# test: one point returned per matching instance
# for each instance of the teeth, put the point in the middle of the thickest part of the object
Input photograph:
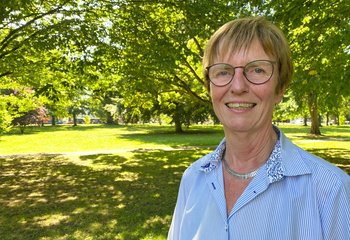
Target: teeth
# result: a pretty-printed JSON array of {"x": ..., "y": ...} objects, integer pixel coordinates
[{"x": 240, "y": 105}]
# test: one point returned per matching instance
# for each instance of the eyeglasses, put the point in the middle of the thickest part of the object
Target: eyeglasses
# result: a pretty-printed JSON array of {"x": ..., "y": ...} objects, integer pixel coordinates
[{"x": 256, "y": 72}]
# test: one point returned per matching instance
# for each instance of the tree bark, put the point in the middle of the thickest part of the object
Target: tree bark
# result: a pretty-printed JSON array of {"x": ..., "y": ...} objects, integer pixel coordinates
[
  {"x": 178, "y": 126},
  {"x": 313, "y": 108},
  {"x": 177, "y": 120}
]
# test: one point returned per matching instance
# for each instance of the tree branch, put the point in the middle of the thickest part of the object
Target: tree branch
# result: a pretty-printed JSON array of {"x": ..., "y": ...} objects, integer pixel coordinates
[
  {"x": 5, "y": 74},
  {"x": 189, "y": 90},
  {"x": 15, "y": 33}
]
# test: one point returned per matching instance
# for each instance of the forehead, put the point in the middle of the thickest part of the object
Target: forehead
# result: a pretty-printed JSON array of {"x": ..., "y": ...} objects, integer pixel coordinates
[{"x": 240, "y": 54}]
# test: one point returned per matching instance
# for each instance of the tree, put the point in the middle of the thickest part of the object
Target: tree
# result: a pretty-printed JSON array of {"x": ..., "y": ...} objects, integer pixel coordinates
[
  {"x": 31, "y": 117},
  {"x": 144, "y": 57},
  {"x": 162, "y": 44},
  {"x": 319, "y": 36},
  {"x": 43, "y": 43},
  {"x": 19, "y": 106}
]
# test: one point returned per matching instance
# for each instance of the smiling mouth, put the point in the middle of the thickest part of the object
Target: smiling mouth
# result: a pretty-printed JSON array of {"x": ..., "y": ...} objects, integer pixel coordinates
[{"x": 241, "y": 105}]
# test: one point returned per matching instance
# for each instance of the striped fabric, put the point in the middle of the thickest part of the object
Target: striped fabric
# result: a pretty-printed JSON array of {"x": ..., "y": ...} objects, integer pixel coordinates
[{"x": 296, "y": 195}]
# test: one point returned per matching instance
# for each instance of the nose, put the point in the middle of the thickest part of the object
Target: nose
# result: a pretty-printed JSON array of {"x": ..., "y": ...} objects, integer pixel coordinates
[{"x": 239, "y": 83}]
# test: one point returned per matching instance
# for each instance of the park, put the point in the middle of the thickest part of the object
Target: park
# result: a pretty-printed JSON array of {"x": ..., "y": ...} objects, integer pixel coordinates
[
  {"x": 113, "y": 182},
  {"x": 104, "y": 104}
]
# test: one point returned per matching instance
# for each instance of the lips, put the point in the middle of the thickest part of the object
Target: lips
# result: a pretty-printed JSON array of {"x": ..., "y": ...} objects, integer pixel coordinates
[{"x": 241, "y": 106}]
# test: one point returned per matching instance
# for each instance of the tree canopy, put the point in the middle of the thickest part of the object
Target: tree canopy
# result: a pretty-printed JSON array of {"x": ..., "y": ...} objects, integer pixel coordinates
[{"x": 138, "y": 61}]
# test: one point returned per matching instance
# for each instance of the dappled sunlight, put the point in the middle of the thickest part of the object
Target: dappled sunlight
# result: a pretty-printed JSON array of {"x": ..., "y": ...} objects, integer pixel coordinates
[
  {"x": 156, "y": 221},
  {"x": 50, "y": 219},
  {"x": 79, "y": 210},
  {"x": 37, "y": 197},
  {"x": 120, "y": 206},
  {"x": 66, "y": 197},
  {"x": 95, "y": 226},
  {"x": 100, "y": 196},
  {"x": 127, "y": 176},
  {"x": 13, "y": 202},
  {"x": 56, "y": 196}
]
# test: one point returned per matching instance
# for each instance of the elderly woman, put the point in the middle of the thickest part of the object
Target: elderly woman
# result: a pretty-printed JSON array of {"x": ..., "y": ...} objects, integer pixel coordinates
[{"x": 257, "y": 184}]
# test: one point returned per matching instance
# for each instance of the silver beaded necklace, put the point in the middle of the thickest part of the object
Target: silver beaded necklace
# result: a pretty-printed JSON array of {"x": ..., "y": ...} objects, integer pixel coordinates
[{"x": 242, "y": 176}]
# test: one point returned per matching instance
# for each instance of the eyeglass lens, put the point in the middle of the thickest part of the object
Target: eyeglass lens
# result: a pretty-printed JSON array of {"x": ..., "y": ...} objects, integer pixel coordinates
[{"x": 256, "y": 72}]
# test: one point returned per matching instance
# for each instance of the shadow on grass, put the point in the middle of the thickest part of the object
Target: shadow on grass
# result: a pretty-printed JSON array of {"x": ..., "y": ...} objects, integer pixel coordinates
[
  {"x": 90, "y": 197},
  {"x": 99, "y": 196},
  {"x": 188, "y": 138}
]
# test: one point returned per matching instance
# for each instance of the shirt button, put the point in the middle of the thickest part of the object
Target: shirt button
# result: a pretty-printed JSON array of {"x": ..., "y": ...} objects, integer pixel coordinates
[{"x": 226, "y": 227}]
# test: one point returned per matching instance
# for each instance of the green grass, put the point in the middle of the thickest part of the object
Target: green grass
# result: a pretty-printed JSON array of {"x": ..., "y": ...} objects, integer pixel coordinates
[
  {"x": 103, "y": 138},
  {"x": 112, "y": 195},
  {"x": 102, "y": 196}
]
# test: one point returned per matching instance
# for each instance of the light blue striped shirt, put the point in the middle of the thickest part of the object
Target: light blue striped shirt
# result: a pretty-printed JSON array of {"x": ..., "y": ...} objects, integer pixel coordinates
[{"x": 295, "y": 195}]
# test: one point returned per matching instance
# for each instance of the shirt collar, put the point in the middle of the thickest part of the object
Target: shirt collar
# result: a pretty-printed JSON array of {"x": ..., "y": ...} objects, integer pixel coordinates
[
  {"x": 274, "y": 166},
  {"x": 277, "y": 166},
  {"x": 211, "y": 162}
]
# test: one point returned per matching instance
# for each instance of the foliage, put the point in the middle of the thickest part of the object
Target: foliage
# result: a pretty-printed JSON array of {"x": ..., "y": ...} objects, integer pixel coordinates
[
  {"x": 81, "y": 56},
  {"x": 87, "y": 119},
  {"x": 36, "y": 117},
  {"x": 319, "y": 36},
  {"x": 18, "y": 105},
  {"x": 5, "y": 117}
]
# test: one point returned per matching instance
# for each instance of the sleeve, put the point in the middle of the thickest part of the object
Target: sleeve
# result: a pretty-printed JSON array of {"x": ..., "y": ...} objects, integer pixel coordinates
[
  {"x": 335, "y": 214},
  {"x": 174, "y": 231}
]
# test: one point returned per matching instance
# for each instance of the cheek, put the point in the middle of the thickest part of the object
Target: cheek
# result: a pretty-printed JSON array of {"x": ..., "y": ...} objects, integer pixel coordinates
[
  {"x": 216, "y": 93},
  {"x": 266, "y": 96}
]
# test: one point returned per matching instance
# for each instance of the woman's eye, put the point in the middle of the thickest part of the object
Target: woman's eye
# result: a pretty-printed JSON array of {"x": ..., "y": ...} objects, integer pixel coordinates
[
  {"x": 259, "y": 70},
  {"x": 221, "y": 73}
]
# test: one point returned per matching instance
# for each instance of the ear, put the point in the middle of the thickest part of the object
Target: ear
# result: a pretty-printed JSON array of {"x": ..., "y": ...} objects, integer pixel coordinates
[{"x": 279, "y": 97}]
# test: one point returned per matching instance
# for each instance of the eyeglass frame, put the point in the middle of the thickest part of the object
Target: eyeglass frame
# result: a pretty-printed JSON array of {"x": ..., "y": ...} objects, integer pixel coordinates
[{"x": 234, "y": 72}]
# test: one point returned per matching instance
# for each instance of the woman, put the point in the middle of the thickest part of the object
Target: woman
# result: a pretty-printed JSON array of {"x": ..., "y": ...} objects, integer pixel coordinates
[{"x": 257, "y": 184}]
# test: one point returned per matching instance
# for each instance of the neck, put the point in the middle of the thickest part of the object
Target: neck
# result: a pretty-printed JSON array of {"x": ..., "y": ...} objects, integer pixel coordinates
[{"x": 247, "y": 151}]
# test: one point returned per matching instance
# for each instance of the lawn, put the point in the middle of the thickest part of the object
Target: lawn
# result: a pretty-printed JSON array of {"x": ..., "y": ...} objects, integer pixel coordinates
[
  {"x": 111, "y": 182},
  {"x": 101, "y": 138}
]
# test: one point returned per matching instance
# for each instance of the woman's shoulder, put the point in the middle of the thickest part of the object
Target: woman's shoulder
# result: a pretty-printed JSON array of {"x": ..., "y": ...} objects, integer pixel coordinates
[
  {"x": 323, "y": 170},
  {"x": 320, "y": 169}
]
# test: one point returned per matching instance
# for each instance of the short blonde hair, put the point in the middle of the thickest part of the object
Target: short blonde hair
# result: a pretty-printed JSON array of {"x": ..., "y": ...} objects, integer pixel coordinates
[{"x": 239, "y": 34}]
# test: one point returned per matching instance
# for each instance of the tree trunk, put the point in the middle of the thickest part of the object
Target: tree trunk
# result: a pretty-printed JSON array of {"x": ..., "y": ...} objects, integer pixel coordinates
[
  {"x": 110, "y": 119},
  {"x": 305, "y": 120},
  {"x": 313, "y": 108},
  {"x": 338, "y": 118},
  {"x": 177, "y": 121},
  {"x": 178, "y": 126},
  {"x": 53, "y": 120},
  {"x": 75, "y": 119}
]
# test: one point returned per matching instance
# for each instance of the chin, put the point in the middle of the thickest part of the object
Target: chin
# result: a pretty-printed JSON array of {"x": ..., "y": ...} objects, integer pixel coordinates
[{"x": 238, "y": 126}]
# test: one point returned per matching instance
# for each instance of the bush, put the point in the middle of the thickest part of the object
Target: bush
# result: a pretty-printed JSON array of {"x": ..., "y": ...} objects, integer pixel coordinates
[
  {"x": 31, "y": 117},
  {"x": 87, "y": 119},
  {"x": 5, "y": 121}
]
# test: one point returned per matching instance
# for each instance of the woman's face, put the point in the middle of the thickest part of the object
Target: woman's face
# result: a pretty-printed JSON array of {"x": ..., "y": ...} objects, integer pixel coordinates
[{"x": 242, "y": 106}]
